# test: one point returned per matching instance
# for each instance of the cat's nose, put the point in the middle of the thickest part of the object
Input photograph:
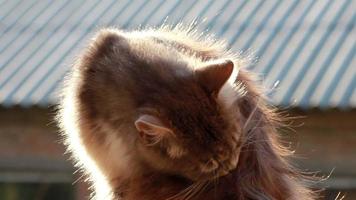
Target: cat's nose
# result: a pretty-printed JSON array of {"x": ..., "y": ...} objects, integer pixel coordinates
[
  {"x": 222, "y": 153},
  {"x": 210, "y": 166}
]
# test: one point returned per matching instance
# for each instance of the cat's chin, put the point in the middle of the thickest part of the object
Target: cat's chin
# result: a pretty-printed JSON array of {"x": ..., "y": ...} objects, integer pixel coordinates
[{"x": 209, "y": 176}]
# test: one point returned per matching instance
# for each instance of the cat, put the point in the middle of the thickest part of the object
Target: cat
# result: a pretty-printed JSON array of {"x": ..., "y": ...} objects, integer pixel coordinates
[{"x": 168, "y": 113}]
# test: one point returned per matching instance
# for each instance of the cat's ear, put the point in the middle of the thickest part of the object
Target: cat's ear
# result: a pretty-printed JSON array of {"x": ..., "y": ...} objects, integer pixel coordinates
[
  {"x": 151, "y": 128},
  {"x": 214, "y": 75}
]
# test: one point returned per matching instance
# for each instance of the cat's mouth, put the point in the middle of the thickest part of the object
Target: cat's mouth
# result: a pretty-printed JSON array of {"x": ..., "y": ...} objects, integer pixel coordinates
[
  {"x": 223, "y": 170},
  {"x": 218, "y": 172}
]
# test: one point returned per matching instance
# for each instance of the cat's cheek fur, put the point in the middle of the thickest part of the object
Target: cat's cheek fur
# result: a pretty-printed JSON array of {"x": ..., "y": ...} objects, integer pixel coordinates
[
  {"x": 111, "y": 154},
  {"x": 175, "y": 151}
]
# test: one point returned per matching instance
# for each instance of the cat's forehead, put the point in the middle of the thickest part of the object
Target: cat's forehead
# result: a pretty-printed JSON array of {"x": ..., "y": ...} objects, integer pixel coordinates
[{"x": 155, "y": 48}]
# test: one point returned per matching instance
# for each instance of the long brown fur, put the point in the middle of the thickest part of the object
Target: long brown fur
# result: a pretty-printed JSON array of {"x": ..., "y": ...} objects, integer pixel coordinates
[{"x": 91, "y": 127}]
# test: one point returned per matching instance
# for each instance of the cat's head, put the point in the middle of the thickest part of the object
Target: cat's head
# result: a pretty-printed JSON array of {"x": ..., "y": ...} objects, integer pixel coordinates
[
  {"x": 186, "y": 129},
  {"x": 175, "y": 101}
]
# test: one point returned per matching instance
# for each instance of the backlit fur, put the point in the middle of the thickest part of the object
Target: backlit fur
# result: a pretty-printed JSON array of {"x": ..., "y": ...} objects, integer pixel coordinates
[{"x": 124, "y": 74}]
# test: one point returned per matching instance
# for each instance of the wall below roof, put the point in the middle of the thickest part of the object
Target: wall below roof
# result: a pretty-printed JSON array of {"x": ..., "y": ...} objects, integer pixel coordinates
[
  {"x": 325, "y": 142},
  {"x": 28, "y": 140},
  {"x": 31, "y": 152}
]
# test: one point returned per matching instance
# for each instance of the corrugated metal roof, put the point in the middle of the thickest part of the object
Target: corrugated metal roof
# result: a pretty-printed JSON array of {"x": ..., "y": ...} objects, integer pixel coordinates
[{"x": 308, "y": 46}]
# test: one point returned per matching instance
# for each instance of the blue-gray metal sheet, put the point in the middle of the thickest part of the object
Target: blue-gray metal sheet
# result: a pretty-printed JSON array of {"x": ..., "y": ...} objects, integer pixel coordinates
[{"x": 307, "y": 46}]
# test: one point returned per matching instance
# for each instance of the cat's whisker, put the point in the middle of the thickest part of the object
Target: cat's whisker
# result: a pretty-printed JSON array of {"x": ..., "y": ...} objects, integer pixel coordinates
[
  {"x": 195, "y": 190},
  {"x": 189, "y": 194},
  {"x": 183, "y": 192},
  {"x": 200, "y": 187},
  {"x": 207, "y": 183}
]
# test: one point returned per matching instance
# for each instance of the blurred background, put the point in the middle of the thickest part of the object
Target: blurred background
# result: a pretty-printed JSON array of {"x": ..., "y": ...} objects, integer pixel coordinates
[{"x": 307, "y": 47}]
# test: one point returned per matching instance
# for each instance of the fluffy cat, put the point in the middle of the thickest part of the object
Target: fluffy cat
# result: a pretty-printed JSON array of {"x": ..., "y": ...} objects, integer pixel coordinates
[{"x": 167, "y": 113}]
